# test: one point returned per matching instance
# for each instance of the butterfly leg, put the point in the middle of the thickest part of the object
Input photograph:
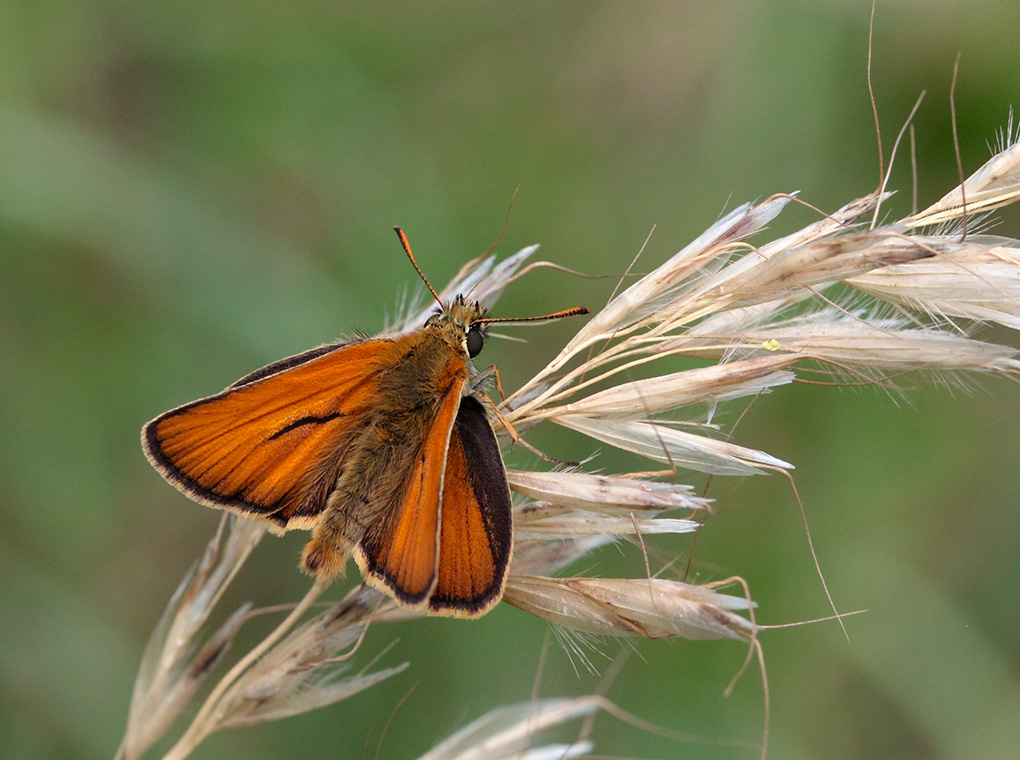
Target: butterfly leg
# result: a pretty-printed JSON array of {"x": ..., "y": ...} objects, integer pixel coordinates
[
  {"x": 483, "y": 376},
  {"x": 516, "y": 437}
]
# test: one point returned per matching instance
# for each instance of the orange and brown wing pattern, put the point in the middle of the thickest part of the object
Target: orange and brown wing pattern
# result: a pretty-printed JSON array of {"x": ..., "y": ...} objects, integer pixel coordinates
[
  {"x": 400, "y": 553},
  {"x": 269, "y": 444},
  {"x": 476, "y": 538}
]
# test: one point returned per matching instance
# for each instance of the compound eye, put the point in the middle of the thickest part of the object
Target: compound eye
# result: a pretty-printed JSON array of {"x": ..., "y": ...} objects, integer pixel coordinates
[{"x": 474, "y": 342}]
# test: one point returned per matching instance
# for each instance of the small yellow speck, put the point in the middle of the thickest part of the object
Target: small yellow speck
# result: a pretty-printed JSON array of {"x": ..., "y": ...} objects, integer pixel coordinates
[{"x": 771, "y": 345}]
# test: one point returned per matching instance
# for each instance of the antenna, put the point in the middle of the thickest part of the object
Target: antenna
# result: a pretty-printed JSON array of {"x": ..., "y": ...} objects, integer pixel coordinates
[
  {"x": 575, "y": 312},
  {"x": 407, "y": 249}
]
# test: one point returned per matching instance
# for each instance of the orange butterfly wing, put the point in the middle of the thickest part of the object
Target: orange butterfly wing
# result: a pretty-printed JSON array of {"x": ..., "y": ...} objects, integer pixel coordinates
[
  {"x": 269, "y": 445},
  {"x": 447, "y": 546},
  {"x": 476, "y": 537}
]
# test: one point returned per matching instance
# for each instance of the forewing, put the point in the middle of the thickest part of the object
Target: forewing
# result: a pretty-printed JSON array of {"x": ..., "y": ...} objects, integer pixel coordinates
[
  {"x": 269, "y": 445},
  {"x": 476, "y": 537}
]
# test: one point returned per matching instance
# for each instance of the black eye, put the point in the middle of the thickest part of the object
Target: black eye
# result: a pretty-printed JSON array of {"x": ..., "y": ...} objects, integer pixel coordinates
[{"x": 474, "y": 342}]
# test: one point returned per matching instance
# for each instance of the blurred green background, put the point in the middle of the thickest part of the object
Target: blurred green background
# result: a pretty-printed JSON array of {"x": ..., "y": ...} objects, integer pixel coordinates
[{"x": 190, "y": 190}]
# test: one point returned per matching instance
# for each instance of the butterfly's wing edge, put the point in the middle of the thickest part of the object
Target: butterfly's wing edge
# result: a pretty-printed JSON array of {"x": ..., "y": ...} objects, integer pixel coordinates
[{"x": 153, "y": 447}]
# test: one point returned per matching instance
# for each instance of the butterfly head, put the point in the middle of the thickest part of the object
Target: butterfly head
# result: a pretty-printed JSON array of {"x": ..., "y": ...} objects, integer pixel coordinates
[{"x": 464, "y": 321}]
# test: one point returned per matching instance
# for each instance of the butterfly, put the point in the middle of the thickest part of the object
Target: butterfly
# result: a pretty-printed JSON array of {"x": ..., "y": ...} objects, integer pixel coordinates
[{"x": 382, "y": 447}]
